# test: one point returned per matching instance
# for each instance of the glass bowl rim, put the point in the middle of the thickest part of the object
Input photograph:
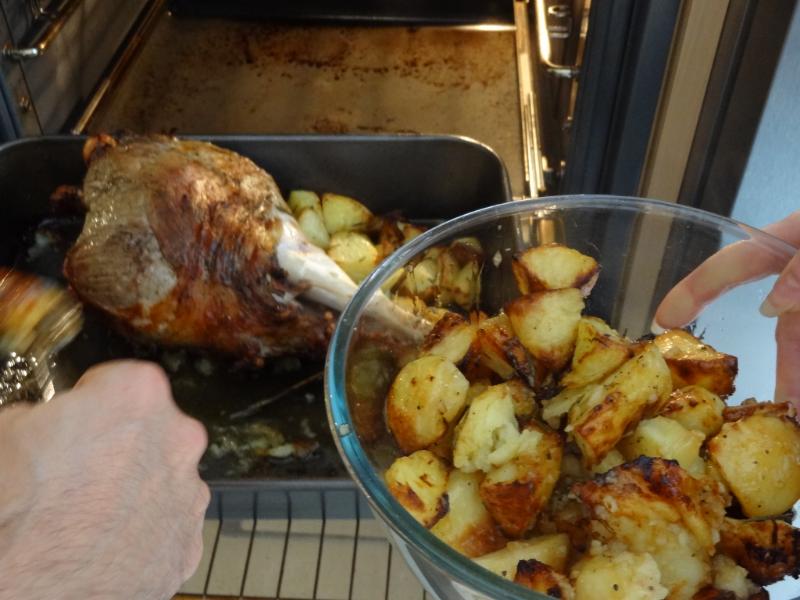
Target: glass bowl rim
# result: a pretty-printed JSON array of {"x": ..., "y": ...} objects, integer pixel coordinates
[{"x": 436, "y": 552}]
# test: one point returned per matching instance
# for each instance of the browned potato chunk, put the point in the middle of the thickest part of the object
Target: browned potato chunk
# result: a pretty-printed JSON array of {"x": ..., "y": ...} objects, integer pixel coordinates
[
  {"x": 551, "y": 550},
  {"x": 599, "y": 420},
  {"x": 342, "y": 213},
  {"x": 516, "y": 492},
  {"x": 488, "y": 436},
  {"x": 410, "y": 231},
  {"x": 427, "y": 395},
  {"x": 693, "y": 362},
  {"x": 547, "y": 324},
  {"x": 417, "y": 306},
  {"x": 450, "y": 338},
  {"x": 652, "y": 505},
  {"x": 633, "y": 576},
  {"x": 419, "y": 482},
  {"x": 695, "y": 408},
  {"x": 730, "y": 577},
  {"x": 310, "y": 223},
  {"x": 541, "y": 578},
  {"x": 566, "y": 514},
  {"x": 611, "y": 460},
  {"x": 354, "y": 253},
  {"x": 459, "y": 283},
  {"x": 467, "y": 527},
  {"x": 751, "y": 407},
  {"x": 390, "y": 238},
  {"x": 554, "y": 267},
  {"x": 501, "y": 351},
  {"x": 599, "y": 351},
  {"x": 422, "y": 279},
  {"x": 712, "y": 593},
  {"x": 768, "y": 550},
  {"x": 522, "y": 397},
  {"x": 555, "y": 408},
  {"x": 665, "y": 438},
  {"x": 759, "y": 458},
  {"x": 299, "y": 200}
]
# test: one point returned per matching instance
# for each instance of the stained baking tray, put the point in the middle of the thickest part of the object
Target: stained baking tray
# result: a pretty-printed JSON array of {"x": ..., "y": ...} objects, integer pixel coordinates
[{"x": 427, "y": 178}]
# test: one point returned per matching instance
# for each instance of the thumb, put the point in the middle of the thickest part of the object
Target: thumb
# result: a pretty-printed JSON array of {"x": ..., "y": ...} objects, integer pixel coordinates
[
  {"x": 785, "y": 294},
  {"x": 787, "y": 335}
]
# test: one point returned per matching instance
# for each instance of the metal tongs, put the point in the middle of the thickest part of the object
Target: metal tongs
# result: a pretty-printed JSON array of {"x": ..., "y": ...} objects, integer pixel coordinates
[{"x": 37, "y": 319}]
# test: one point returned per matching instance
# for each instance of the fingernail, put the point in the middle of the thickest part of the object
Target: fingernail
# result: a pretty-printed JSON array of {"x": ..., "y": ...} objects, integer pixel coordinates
[
  {"x": 768, "y": 309},
  {"x": 655, "y": 328}
]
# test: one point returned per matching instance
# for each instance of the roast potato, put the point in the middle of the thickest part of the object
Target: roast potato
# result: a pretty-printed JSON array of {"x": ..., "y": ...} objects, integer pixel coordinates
[
  {"x": 488, "y": 436},
  {"x": 652, "y": 505},
  {"x": 459, "y": 283},
  {"x": 523, "y": 398},
  {"x": 354, "y": 253},
  {"x": 599, "y": 420},
  {"x": 751, "y": 407},
  {"x": 451, "y": 337},
  {"x": 730, "y": 577},
  {"x": 422, "y": 279},
  {"x": 628, "y": 575},
  {"x": 515, "y": 492},
  {"x": 767, "y": 549},
  {"x": 390, "y": 238},
  {"x": 554, "y": 409},
  {"x": 299, "y": 200},
  {"x": 665, "y": 438},
  {"x": 693, "y": 362},
  {"x": 342, "y": 213},
  {"x": 419, "y": 482},
  {"x": 695, "y": 408},
  {"x": 310, "y": 222},
  {"x": 410, "y": 231},
  {"x": 547, "y": 325},
  {"x": 599, "y": 350},
  {"x": 551, "y": 550},
  {"x": 611, "y": 460},
  {"x": 759, "y": 458},
  {"x": 427, "y": 395},
  {"x": 467, "y": 526},
  {"x": 499, "y": 350},
  {"x": 541, "y": 578},
  {"x": 554, "y": 267}
]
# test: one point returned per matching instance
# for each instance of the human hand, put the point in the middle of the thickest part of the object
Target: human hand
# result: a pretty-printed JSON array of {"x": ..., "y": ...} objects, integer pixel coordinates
[
  {"x": 100, "y": 494},
  {"x": 740, "y": 263}
]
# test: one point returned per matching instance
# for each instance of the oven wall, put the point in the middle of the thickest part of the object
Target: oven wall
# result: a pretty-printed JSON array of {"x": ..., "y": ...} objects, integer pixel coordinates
[{"x": 46, "y": 90}]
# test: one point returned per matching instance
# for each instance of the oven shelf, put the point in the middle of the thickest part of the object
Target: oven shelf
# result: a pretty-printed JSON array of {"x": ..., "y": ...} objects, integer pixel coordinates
[{"x": 298, "y": 540}]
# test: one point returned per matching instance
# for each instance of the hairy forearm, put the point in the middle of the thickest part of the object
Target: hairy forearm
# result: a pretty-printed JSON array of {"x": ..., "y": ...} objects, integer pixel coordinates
[{"x": 17, "y": 474}]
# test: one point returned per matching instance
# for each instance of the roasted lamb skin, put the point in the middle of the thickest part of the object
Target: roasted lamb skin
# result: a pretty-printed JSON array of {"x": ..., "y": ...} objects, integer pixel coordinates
[{"x": 180, "y": 245}]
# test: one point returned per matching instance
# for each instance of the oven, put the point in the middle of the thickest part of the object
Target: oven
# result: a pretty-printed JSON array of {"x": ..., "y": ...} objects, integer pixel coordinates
[{"x": 660, "y": 98}]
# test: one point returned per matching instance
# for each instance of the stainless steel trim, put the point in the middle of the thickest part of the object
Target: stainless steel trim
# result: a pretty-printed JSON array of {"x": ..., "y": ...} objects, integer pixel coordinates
[
  {"x": 533, "y": 159},
  {"x": 140, "y": 31},
  {"x": 43, "y": 41},
  {"x": 543, "y": 35}
]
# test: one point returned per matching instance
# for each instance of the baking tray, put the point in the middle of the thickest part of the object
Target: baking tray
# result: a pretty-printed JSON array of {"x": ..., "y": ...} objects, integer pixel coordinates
[{"x": 427, "y": 178}]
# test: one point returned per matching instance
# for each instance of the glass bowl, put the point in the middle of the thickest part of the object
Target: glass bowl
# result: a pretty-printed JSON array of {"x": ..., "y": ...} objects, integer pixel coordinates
[{"x": 644, "y": 248}]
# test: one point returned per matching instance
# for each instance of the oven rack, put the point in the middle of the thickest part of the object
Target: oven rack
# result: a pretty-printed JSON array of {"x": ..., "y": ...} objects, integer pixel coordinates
[{"x": 298, "y": 540}]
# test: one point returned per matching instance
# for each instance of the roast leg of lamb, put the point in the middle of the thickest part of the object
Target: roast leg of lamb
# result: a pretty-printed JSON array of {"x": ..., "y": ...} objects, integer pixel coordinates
[{"x": 186, "y": 243}]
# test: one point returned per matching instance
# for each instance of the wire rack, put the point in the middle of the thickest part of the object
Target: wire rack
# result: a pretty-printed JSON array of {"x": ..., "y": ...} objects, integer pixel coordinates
[{"x": 298, "y": 541}]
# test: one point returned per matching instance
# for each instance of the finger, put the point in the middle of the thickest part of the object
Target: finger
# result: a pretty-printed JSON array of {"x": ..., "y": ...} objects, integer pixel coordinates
[
  {"x": 734, "y": 265},
  {"x": 787, "y": 334},
  {"x": 787, "y": 229},
  {"x": 785, "y": 294}
]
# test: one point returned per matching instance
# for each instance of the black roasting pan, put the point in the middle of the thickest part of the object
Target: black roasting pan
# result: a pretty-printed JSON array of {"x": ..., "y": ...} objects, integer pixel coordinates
[{"x": 427, "y": 178}]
